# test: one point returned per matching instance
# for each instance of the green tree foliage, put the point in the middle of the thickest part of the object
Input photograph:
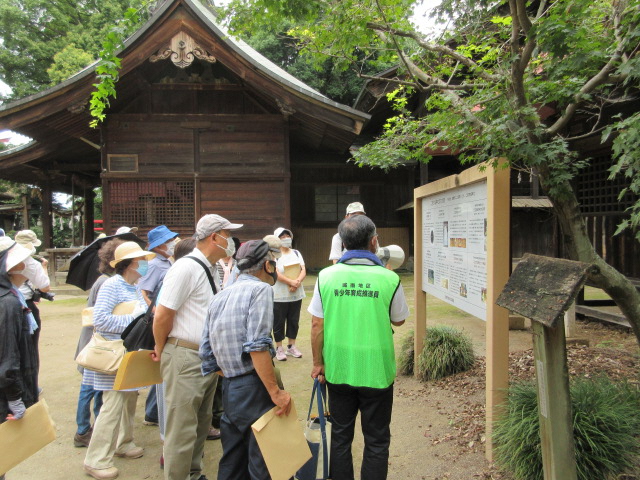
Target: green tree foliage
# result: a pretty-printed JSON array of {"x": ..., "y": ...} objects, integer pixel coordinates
[
  {"x": 32, "y": 32},
  {"x": 506, "y": 81}
]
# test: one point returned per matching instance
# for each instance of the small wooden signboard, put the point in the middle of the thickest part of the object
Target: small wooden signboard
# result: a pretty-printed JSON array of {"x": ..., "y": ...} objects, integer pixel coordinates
[{"x": 542, "y": 289}]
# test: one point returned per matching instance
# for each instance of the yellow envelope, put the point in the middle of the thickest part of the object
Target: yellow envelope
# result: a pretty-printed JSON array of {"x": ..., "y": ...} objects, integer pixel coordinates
[
  {"x": 22, "y": 438},
  {"x": 137, "y": 370},
  {"x": 276, "y": 435},
  {"x": 87, "y": 317},
  {"x": 292, "y": 271},
  {"x": 125, "y": 308}
]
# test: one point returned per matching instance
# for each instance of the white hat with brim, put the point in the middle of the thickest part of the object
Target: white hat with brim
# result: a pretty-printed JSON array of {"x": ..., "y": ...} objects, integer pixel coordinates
[
  {"x": 16, "y": 254},
  {"x": 281, "y": 231},
  {"x": 28, "y": 239},
  {"x": 130, "y": 250},
  {"x": 125, "y": 229}
]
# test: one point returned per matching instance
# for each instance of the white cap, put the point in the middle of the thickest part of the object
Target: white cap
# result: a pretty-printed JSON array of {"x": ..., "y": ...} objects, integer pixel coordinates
[
  {"x": 124, "y": 229},
  {"x": 17, "y": 253},
  {"x": 355, "y": 207},
  {"x": 280, "y": 230},
  {"x": 212, "y": 223},
  {"x": 28, "y": 239}
]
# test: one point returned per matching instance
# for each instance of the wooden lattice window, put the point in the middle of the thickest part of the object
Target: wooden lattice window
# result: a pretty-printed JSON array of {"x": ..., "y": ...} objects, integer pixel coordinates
[
  {"x": 597, "y": 194},
  {"x": 147, "y": 204}
]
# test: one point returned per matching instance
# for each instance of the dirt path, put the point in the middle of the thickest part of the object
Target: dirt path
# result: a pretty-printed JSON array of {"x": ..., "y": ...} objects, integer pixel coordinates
[{"x": 428, "y": 441}]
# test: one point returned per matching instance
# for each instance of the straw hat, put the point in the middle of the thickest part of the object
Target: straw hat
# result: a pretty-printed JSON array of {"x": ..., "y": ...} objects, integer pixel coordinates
[
  {"x": 28, "y": 239},
  {"x": 16, "y": 254},
  {"x": 130, "y": 250}
]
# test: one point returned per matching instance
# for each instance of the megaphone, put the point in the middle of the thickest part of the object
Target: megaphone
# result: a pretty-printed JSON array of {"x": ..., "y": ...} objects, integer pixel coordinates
[{"x": 391, "y": 256}]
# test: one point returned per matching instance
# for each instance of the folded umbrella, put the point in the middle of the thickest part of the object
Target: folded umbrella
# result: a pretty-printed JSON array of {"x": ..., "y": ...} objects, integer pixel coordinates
[{"x": 83, "y": 267}]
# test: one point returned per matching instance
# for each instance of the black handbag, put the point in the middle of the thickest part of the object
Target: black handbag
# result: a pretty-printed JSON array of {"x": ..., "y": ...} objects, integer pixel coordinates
[{"x": 139, "y": 333}]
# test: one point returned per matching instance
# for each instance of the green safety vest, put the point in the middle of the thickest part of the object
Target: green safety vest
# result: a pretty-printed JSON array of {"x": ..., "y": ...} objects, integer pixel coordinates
[{"x": 358, "y": 340}]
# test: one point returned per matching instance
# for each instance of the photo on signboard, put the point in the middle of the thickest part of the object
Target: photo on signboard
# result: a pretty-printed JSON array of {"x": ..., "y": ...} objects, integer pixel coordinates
[{"x": 445, "y": 234}]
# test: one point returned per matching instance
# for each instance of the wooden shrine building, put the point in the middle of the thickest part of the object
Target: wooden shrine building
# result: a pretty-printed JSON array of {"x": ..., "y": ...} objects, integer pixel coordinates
[{"x": 202, "y": 123}]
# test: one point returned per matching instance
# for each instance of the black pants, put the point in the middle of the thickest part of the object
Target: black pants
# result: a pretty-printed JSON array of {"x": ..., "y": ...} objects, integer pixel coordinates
[
  {"x": 289, "y": 313},
  {"x": 375, "y": 407},
  {"x": 36, "y": 335}
]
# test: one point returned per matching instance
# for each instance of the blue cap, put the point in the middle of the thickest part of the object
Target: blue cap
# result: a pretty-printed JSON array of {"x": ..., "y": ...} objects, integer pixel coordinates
[{"x": 160, "y": 235}]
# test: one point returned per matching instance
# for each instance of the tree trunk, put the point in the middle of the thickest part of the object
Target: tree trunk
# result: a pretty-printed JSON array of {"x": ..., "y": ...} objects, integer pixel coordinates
[{"x": 579, "y": 246}]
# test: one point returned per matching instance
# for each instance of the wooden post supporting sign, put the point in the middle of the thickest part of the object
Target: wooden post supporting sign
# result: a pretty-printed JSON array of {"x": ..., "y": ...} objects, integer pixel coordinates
[{"x": 542, "y": 289}]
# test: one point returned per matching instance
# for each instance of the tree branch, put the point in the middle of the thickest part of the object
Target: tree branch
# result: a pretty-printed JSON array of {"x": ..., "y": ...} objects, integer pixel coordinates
[
  {"x": 397, "y": 81},
  {"x": 437, "y": 49}
]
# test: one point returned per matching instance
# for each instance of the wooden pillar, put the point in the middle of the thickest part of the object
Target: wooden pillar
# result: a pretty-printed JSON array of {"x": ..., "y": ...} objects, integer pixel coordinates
[
  {"x": 46, "y": 216},
  {"x": 420, "y": 297},
  {"x": 570, "y": 322},
  {"x": 88, "y": 216},
  {"x": 498, "y": 268},
  {"x": 554, "y": 402},
  {"x": 25, "y": 212}
]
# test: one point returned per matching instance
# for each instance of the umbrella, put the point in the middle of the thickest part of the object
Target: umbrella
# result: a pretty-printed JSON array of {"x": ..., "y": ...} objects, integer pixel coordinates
[{"x": 83, "y": 267}]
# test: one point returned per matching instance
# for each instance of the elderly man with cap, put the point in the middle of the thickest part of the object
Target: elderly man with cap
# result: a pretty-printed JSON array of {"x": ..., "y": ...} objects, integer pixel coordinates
[
  {"x": 337, "y": 248},
  {"x": 240, "y": 321},
  {"x": 181, "y": 311},
  {"x": 162, "y": 241},
  {"x": 37, "y": 278}
]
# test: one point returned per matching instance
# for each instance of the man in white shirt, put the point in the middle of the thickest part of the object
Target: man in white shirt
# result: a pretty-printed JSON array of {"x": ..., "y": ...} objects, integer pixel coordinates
[
  {"x": 337, "y": 249},
  {"x": 178, "y": 325}
]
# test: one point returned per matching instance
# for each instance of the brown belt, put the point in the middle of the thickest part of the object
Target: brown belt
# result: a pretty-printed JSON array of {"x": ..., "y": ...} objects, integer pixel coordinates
[{"x": 183, "y": 343}]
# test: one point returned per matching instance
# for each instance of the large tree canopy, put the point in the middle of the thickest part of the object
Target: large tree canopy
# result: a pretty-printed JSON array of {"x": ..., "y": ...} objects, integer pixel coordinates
[
  {"x": 33, "y": 32},
  {"x": 487, "y": 81}
]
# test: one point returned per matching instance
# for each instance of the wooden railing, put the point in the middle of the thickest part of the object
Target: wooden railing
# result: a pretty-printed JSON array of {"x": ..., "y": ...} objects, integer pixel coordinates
[{"x": 59, "y": 263}]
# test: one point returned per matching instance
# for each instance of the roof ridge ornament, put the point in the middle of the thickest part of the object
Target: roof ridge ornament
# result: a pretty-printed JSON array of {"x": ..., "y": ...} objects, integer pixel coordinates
[
  {"x": 286, "y": 109},
  {"x": 182, "y": 49}
]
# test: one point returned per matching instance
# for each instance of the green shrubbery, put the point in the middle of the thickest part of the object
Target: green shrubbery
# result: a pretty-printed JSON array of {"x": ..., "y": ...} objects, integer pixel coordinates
[
  {"x": 446, "y": 351},
  {"x": 605, "y": 428},
  {"x": 405, "y": 356}
]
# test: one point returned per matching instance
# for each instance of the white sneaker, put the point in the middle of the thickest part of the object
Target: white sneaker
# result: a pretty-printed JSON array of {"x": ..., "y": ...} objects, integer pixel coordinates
[
  {"x": 294, "y": 352},
  {"x": 280, "y": 355}
]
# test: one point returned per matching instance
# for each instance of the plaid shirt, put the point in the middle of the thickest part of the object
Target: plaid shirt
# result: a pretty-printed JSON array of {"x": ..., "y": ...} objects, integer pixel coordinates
[{"x": 239, "y": 321}]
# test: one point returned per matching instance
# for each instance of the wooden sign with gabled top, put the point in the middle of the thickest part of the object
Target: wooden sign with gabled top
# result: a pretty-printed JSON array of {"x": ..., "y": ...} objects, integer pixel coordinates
[{"x": 543, "y": 288}]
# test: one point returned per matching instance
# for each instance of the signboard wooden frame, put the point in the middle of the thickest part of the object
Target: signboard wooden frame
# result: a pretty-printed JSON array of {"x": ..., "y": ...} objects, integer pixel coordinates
[{"x": 498, "y": 211}]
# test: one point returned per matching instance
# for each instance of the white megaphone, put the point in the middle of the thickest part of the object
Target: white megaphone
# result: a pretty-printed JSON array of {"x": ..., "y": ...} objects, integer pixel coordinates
[{"x": 391, "y": 256}]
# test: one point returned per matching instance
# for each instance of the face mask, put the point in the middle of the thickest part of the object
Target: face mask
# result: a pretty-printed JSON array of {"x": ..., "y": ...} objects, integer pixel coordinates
[
  {"x": 231, "y": 246},
  {"x": 143, "y": 267},
  {"x": 170, "y": 247},
  {"x": 274, "y": 274},
  {"x": 286, "y": 242}
]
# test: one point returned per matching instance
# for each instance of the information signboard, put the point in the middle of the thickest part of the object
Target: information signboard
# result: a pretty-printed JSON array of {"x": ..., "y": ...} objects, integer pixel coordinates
[{"x": 454, "y": 236}]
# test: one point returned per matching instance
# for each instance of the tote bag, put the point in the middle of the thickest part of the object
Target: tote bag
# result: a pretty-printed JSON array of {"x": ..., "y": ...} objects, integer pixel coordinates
[
  {"x": 102, "y": 355},
  {"x": 318, "y": 434}
]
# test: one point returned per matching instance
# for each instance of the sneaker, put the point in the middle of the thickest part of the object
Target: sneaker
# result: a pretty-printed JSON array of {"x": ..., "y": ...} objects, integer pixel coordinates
[
  {"x": 135, "y": 452},
  {"x": 82, "y": 440},
  {"x": 214, "y": 433},
  {"x": 101, "y": 473},
  {"x": 294, "y": 352},
  {"x": 149, "y": 422},
  {"x": 280, "y": 355}
]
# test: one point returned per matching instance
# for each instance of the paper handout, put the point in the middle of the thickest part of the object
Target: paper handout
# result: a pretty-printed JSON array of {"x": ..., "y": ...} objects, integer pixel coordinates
[
  {"x": 277, "y": 435},
  {"x": 137, "y": 370},
  {"x": 19, "y": 439}
]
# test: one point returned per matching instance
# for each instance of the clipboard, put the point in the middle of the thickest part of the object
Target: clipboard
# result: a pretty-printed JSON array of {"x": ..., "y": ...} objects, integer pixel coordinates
[
  {"x": 292, "y": 271},
  {"x": 124, "y": 308},
  {"x": 276, "y": 435},
  {"x": 22, "y": 438},
  {"x": 137, "y": 370}
]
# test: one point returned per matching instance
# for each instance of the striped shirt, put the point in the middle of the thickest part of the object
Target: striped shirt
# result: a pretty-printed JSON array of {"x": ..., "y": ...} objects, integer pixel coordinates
[
  {"x": 240, "y": 321},
  {"x": 115, "y": 290},
  {"x": 186, "y": 290}
]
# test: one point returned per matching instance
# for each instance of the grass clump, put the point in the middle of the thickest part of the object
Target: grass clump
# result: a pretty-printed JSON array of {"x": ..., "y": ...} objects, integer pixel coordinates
[
  {"x": 605, "y": 424},
  {"x": 446, "y": 351},
  {"x": 405, "y": 356}
]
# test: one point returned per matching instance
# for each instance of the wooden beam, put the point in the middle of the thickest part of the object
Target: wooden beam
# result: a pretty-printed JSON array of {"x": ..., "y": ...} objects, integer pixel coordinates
[
  {"x": 89, "y": 196},
  {"x": 46, "y": 216}
]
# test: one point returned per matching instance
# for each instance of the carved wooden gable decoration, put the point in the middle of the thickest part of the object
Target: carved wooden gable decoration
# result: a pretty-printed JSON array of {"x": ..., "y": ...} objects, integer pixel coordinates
[{"x": 182, "y": 50}]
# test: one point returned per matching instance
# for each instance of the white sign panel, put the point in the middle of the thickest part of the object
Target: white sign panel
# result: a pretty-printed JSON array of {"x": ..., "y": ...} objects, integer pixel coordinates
[{"x": 454, "y": 236}]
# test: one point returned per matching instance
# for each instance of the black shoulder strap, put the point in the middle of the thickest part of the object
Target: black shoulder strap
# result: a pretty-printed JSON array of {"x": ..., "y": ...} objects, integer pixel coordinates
[{"x": 207, "y": 271}]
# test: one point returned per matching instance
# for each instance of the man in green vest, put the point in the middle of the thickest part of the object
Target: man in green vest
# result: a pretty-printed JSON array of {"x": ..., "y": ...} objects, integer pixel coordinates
[{"x": 354, "y": 305}]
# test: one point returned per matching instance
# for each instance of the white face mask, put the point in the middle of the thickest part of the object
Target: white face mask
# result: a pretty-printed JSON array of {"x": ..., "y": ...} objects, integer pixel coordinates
[
  {"x": 231, "y": 247},
  {"x": 170, "y": 247},
  {"x": 286, "y": 242}
]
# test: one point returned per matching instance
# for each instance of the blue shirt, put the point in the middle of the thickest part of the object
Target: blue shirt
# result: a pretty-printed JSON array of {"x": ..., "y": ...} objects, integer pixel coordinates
[
  {"x": 158, "y": 268},
  {"x": 239, "y": 321}
]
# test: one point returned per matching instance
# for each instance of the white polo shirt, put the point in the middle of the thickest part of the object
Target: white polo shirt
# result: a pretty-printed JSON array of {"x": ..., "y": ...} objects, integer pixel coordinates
[{"x": 186, "y": 290}]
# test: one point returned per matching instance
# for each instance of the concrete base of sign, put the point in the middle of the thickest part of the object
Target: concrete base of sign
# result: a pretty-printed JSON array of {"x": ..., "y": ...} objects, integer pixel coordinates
[{"x": 516, "y": 322}]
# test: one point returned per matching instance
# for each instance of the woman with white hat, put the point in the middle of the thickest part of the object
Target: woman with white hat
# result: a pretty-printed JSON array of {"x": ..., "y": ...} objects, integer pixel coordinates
[
  {"x": 113, "y": 430},
  {"x": 18, "y": 360}
]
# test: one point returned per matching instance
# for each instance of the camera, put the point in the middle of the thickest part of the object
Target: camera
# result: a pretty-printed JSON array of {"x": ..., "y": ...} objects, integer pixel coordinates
[{"x": 37, "y": 295}]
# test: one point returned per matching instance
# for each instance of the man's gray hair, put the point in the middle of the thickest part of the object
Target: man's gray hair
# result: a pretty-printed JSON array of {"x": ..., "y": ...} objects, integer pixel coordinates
[
  {"x": 356, "y": 232},
  {"x": 257, "y": 267}
]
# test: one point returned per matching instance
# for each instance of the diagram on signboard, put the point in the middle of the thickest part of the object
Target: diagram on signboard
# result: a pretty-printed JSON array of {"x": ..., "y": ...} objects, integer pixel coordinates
[{"x": 455, "y": 247}]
